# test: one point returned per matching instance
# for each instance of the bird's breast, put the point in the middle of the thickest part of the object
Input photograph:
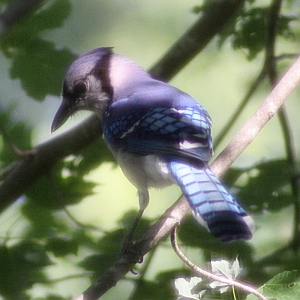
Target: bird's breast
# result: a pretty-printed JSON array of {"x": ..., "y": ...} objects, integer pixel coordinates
[{"x": 144, "y": 171}]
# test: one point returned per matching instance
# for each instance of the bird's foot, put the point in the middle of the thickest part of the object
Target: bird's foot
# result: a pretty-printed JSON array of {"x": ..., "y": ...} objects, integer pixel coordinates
[{"x": 131, "y": 251}]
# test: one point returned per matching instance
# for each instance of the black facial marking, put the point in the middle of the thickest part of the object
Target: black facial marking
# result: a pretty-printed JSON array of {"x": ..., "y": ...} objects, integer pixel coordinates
[{"x": 102, "y": 72}]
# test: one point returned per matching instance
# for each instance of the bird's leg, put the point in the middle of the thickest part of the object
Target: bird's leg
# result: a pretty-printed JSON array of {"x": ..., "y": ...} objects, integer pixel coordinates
[{"x": 143, "y": 201}]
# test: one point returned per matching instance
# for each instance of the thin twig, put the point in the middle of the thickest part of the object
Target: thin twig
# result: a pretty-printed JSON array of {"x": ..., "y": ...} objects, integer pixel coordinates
[
  {"x": 259, "y": 119},
  {"x": 201, "y": 272},
  {"x": 238, "y": 111},
  {"x": 267, "y": 69},
  {"x": 287, "y": 56}
]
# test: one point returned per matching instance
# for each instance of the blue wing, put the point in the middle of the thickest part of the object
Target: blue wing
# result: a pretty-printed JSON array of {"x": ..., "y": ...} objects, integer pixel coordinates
[{"x": 181, "y": 132}]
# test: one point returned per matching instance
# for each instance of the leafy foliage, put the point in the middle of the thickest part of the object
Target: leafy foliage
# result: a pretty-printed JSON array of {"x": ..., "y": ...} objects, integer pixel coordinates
[
  {"x": 30, "y": 54},
  {"x": 248, "y": 33},
  {"x": 21, "y": 267},
  {"x": 196, "y": 287},
  {"x": 265, "y": 186}
]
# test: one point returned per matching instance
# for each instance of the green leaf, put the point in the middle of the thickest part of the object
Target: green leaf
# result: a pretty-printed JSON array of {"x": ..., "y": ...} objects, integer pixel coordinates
[
  {"x": 38, "y": 63},
  {"x": 98, "y": 263},
  {"x": 127, "y": 220},
  {"x": 43, "y": 221},
  {"x": 112, "y": 241},
  {"x": 251, "y": 30},
  {"x": 53, "y": 297},
  {"x": 283, "y": 286},
  {"x": 92, "y": 156},
  {"x": 186, "y": 288},
  {"x": 266, "y": 186},
  {"x": 62, "y": 246},
  {"x": 59, "y": 192},
  {"x": 41, "y": 68},
  {"x": 21, "y": 266},
  {"x": 147, "y": 289},
  {"x": 50, "y": 16},
  {"x": 31, "y": 254}
]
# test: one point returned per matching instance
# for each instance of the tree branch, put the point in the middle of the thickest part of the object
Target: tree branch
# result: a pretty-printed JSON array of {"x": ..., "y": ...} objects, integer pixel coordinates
[
  {"x": 174, "y": 215},
  {"x": 215, "y": 16},
  {"x": 28, "y": 169}
]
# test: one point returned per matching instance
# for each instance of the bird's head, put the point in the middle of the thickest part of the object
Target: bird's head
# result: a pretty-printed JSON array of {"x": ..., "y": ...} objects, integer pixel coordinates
[{"x": 86, "y": 86}]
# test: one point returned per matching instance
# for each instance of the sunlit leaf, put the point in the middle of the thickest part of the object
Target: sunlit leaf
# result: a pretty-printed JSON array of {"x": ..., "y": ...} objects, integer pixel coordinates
[
  {"x": 224, "y": 269},
  {"x": 185, "y": 288}
]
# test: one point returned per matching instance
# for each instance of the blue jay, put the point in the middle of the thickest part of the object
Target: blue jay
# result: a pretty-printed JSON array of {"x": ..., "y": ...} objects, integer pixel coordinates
[{"x": 158, "y": 134}]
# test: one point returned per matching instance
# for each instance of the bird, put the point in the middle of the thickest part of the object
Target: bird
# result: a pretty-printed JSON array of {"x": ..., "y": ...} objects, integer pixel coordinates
[{"x": 158, "y": 134}]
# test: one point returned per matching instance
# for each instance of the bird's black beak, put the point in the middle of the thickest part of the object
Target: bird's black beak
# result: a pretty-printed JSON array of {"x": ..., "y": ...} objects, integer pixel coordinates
[{"x": 65, "y": 111}]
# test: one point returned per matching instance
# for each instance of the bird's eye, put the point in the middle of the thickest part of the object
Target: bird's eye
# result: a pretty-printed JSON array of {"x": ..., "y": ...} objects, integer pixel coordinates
[{"x": 80, "y": 89}]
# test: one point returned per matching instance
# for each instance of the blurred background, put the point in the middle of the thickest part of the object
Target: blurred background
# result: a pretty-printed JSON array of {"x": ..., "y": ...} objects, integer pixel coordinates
[{"x": 219, "y": 77}]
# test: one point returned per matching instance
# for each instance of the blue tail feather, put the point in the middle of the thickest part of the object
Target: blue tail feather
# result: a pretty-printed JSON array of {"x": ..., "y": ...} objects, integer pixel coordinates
[{"x": 212, "y": 204}]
